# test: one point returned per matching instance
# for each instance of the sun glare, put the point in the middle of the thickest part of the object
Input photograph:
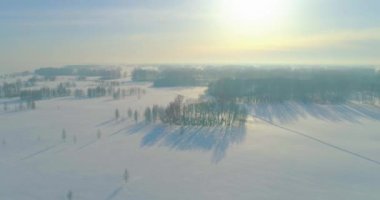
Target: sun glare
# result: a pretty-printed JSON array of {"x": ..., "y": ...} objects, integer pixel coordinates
[{"x": 248, "y": 13}]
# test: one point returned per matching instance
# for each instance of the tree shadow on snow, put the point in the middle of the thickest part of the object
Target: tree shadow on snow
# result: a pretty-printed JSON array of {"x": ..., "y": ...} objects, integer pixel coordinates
[
  {"x": 293, "y": 111},
  {"x": 209, "y": 139}
]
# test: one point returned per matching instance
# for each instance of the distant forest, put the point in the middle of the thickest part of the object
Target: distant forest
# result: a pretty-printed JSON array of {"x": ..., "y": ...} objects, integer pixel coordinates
[
  {"x": 320, "y": 86},
  {"x": 85, "y": 71},
  {"x": 255, "y": 85},
  {"x": 225, "y": 84}
]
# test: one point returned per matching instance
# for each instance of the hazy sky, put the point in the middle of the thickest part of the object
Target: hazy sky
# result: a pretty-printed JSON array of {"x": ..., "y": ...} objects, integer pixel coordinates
[{"x": 58, "y": 32}]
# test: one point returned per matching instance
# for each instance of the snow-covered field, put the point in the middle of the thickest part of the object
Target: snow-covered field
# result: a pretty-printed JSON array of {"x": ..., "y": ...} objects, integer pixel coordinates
[{"x": 288, "y": 151}]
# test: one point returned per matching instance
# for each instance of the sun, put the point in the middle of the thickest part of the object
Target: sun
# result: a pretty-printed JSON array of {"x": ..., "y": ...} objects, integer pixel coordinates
[{"x": 251, "y": 12}]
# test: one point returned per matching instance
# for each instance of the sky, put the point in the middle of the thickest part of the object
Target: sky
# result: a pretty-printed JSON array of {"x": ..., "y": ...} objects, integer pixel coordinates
[{"x": 42, "y": 33}]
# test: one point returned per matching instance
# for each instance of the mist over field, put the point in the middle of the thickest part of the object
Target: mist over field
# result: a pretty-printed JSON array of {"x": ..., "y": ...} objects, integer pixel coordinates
[
  {"x": 165, "y": 131},
  {"x": 189, "y": 100}
]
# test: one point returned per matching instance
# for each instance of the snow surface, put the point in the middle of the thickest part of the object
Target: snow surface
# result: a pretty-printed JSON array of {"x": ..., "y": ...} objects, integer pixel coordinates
[{"x": 288, "y": 151}]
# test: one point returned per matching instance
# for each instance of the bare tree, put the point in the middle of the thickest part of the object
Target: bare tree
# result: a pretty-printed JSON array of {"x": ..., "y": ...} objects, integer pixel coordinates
[
  {"x": 155, "y": 113},
  {"x": 117, "y": 114},
  {"x": 33, "y": 105},
  {"x": 63, "y": 135},
  {"x": 130, "y": 113},
  {"x": 21, "y": 106},
  {"x": 148, "y": 115},
  {"x": 5, "y": 106},
  {"x": 69, "y": 195},
  {"x": 136, "y": 116},
  {"x": 98, "y": 134},
  {"x": 126, "y": 176}
]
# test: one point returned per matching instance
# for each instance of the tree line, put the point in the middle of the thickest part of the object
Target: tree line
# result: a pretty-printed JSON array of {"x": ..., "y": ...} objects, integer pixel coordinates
[
  {"x": 9, "y": 90},
  {"x": 116, "y": 93},
  {"x": 21, "y": 105},
  {"x": 321, "y": 87},
  {"x": 45, "y": 93},
  {"x": 84, "y": 71},
  {"x": 168, "y": 77},
  {"x": 317, "y": 84},
  {"x": 207, "y": 113}
]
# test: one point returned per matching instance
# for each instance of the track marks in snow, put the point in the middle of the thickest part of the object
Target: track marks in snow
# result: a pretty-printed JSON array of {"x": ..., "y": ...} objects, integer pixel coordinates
[
  {"x": 87, "y": 144},
  {"x": 40, "y": 152},
  {"x": 115, "y": 193},
  {"x": 352, "y": 153}
]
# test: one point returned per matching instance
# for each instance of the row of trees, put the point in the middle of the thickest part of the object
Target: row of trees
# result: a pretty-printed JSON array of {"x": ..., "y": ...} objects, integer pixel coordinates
[
  {"x": 93, "y": 92},
  {"x": 63, "y": 90},
  {"x": 20, "y": 88},
  {"x": 9, "y": 90},
  {"x": 22, "y": 105},
  {"x": 122, "y": 93},
  {"x": 197, "y": 114},
  {"x": 116, "y": 93},
  {"x": 44, "y": 93},
  {"x": 64, "y": 136},
  {"x": 130, "y": 113}
]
